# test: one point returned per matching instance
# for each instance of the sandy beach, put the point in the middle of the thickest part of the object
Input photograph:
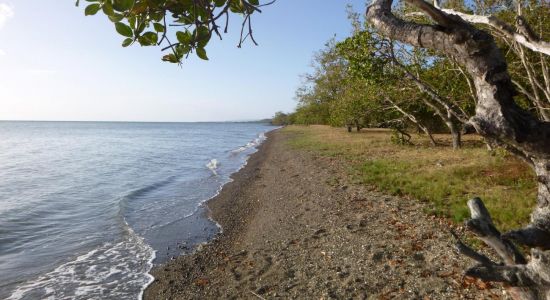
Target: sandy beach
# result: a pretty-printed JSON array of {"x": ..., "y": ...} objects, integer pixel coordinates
[{"x": 296, "y": 227}]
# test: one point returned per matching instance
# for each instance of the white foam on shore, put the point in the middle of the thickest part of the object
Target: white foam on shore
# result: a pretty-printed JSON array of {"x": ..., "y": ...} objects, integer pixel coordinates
[
  {"x": 116, "y": 271},
  {"x": 258, "y": 141},
  {"x": 213, "y": 166},
  {"x": 252, "y": 144},
  {"x": 151, "y": 277},
  {"x": 120, "y": 268}
]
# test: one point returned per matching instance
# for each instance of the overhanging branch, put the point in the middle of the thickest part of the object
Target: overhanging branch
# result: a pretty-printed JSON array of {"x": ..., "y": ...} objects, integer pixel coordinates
[{"x": 522, "y": 35}]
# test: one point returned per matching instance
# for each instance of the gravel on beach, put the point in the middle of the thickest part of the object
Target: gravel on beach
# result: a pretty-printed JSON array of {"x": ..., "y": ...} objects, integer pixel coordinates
[{"x": 296, "y": 227}]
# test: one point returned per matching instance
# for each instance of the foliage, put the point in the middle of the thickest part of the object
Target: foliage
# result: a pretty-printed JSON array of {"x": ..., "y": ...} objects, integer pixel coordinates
[
  {"x": 148, "y": 22},
  {"x": 321, "y": 88},
  {"x": 280, "y": 119}
]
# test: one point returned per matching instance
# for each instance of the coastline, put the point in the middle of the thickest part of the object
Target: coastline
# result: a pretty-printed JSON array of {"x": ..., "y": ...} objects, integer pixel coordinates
[
  {"x": 221, "y": 210},
  {"x": 294, "y": 226}
]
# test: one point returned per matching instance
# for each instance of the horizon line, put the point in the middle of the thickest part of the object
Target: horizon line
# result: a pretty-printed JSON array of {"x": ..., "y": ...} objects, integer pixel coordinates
[{"x": 109, "y": 121}]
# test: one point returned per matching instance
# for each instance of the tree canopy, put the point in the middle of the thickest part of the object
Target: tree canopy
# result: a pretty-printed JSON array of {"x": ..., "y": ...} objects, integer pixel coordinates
[{"x": 180, "y": 27}]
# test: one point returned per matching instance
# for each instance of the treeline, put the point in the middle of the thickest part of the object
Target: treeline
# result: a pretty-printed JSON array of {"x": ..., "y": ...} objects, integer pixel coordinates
[{"x": 368, "y": 80}]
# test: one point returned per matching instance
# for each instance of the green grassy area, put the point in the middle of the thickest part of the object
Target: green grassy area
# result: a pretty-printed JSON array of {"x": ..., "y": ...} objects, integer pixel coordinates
[{"x": 442, "y": 177}]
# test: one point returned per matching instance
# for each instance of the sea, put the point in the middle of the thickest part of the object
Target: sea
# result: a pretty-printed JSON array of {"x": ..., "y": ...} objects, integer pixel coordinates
[{"x": 88, "y": 208}]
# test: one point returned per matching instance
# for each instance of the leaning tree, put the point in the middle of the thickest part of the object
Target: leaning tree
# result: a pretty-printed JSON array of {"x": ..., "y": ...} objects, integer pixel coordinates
[{"x": 498, "y": 117}]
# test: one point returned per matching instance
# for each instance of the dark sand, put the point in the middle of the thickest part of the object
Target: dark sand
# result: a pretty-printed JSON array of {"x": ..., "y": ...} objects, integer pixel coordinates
[{"x": 295, "y": 227}]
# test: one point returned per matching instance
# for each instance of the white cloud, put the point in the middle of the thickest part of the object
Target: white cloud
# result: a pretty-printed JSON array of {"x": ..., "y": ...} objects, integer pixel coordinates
[{"x": 6, "y": 13}]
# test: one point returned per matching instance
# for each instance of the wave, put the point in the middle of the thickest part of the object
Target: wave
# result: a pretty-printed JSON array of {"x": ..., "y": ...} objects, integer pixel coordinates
[
  {"x": 213, "y": 165},
  {"x": 125, "y": 202},
  {"x": 113, "y": 259},
  {"x": 252, "y": 144},
  {"x": 144, "y": 190},
  {"x": 112, "y": 270}
]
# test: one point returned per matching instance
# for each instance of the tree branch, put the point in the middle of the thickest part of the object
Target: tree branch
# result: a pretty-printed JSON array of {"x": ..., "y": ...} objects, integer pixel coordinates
[{"x": 525, "y": 38}]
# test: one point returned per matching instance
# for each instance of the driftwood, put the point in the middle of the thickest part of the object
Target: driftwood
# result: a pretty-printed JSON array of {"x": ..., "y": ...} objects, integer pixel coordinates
[
  {"x": 500, "y": 120},
  {"x": 514, "y": 269}
]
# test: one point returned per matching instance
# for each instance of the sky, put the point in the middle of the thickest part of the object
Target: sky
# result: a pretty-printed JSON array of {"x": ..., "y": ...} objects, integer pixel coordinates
[{"x": 57, "y": 64}]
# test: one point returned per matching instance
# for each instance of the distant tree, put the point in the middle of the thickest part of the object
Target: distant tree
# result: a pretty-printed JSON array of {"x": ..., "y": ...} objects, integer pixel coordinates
[
  {"x": 400, "y": 70},
  {"x": 323, "y": 86},
  {"x": 280, "y": 119},
  {"x": 352, "y": 108},
  {"x": 370, "y": 59}
]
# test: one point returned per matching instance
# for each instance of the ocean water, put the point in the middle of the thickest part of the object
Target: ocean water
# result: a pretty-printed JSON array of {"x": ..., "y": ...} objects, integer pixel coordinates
[{"x": 87, "y": 208}]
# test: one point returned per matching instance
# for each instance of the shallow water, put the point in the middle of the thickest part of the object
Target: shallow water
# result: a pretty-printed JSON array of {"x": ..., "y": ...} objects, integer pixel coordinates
[{"x": 87, "y": 207}]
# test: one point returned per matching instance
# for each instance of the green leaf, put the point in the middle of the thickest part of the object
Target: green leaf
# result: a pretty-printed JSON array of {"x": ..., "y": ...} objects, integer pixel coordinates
[
  {"x": 184, "y": 37},
  {"x": 236, "y": 7},
  {"x": 203, "y": 36},
  {"x": 124, "y": 29},
  {"x": 108, "y": 8},
  {"x": 220, "y": 3},
  {"x": 123, "y": 5},
  {"x": 127, "y": 42},
  {"x": 132, "y": 21},
  {"x": 92, "y": 9},
  {"x": 254, "y": 2},
  {"x": 203, "y": 32},
  {"x": 116, "y": 17},
  {"x": 158, "y": 27},
  {"x": 170, "y": 58},
  {"x": 156, "y": 16},
  {"x": 140, "y": 27},
  {"x": 149, "y": 38},
  {"x": 202, "y": 53},
  {"x": 182, "y": 49},
  {"x": 185, "y": 20}
]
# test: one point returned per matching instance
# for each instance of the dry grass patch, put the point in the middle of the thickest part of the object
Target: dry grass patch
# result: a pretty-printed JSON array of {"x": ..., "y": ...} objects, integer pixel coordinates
[{"x": 440, "y": 176}]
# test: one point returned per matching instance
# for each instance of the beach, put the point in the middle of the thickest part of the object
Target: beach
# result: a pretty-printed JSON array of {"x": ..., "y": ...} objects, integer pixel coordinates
[{"x": 294, "y": 225}]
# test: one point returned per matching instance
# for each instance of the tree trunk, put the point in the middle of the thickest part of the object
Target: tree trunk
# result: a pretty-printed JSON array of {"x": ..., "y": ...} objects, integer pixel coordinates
[
  {"x": 349, "y": 128},
  {"x": 429, "y": 134},
  {"x": 435, "y": 104},
  {"x": 455, "y": 132},
  {"x": 414, "y": 120},
  {"x": 497, "y": 118}
]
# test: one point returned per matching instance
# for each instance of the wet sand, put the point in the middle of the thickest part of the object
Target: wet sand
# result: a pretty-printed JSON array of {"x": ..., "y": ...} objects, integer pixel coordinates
[{"x": 295, "y": 226}]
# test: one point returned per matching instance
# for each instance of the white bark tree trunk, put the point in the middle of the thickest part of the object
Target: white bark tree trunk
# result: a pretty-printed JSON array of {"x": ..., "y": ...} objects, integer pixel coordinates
[
  {"x": 524, "y": 37},
  {"x": 499, "y": 119}
]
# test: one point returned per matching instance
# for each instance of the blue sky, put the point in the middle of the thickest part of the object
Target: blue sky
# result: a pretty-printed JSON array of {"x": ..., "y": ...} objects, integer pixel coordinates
[{"x": 57, "y": 64}]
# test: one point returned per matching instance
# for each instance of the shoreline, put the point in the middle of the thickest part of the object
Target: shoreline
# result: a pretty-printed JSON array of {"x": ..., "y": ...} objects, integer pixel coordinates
[
  {"x": 215, "y": 213},
  {"x": 236, "y": 180},
  {"x": 294, "y": 226},
  {"x": 204, "y": 211}
]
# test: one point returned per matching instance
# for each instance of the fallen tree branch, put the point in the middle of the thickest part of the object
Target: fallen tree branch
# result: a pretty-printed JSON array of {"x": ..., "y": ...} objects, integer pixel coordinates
[{"x": 471, "y": 253}]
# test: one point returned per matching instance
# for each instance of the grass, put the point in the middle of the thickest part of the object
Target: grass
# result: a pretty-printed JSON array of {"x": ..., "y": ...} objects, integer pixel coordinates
[{"x": 440, "y": 176}]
